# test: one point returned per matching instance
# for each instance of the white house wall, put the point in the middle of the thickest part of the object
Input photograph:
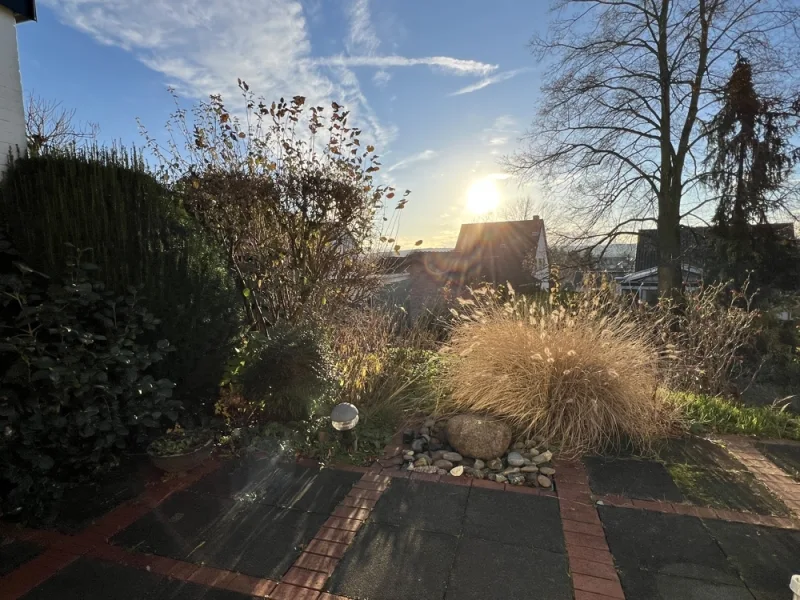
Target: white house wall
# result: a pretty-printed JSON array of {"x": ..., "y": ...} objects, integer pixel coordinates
[{"x": 12, "y": 113}]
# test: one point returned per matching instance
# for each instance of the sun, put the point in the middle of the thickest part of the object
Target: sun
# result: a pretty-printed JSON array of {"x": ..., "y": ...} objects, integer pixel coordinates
[{"x": 482, "y": 197}]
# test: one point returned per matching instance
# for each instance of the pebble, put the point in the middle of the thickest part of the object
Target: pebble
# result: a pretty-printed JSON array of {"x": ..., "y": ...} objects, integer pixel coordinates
[
  {"x": 531, "y": 477},
  {"x": 534, "y": 452},
  {"x": 442, "y": 471},
  {"x": 515, "y": 459},
  {"x": 495, "y": 464},
  {"x": 544, "y": 481},
  {"x": 500, "y": 478},
  {"x": 530, "y": 469},
  {"x": 531, "y": 443},
  {"x": 511, "y": 470},
  {"x": 426, "y": 469},
  {"x": 435, "y": 444},
  {"x": 452, "y": 457},
  {"x": 539, "y": 439},
  {"x": 437, "y": 455},
  {"x": 408, "y": 457},
  {"x": 479, "y": 464},
  {"x": 527, "y": 461},
  {"x": 444, "y": 464},
  {"x": 478, "y": 474},
  {"x": 542, "y": 458},
  {"x": 418, "y": 445},
  {"x": 457, "y": 471},
  {"x": 547, "y": 471},
  {"x": 516, "y": 479},
  {"x": 422, "y": 461},
  {"x": 410, "y": 467},
  {"x": 519, "y": 446}
]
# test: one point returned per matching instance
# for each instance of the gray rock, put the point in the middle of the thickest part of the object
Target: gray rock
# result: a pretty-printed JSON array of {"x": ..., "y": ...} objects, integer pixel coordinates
[
  {"x": 515, "y": 459},
  {"x": 437, "y": 455},
  {"x": 495, "y": 464},
  {"x": 457, "y": 471},
  {"x": 531, "y": 477},
  {"x": 542, "y": 458},
  {"x": 491, "y": 476},
  {"x": 478, "y": 437},
  {"x": 442, "y": 472},
  {"x": 500, "y": 478},
  {"x": 410, "y": 467},
  {"x": 530, "y": 469},
  {"x": 418, "y": 445},
  {"x": 544, "y": 481},
  {"x": 516, "y": 478},
  {"x": 511, "y": 470},
  {"x": 547, "y": 470},
  {"x": 468, "y": 462},
  {"x": 426, "y": 437},
  {"x": 452, "y": 457},
  {"x": 478, "y": 474},
  {"x": 444, "y": 464},
  {"x": 426, "y": 469},
  {"x": 519, "y": 446},
  {"x": 534, "y": 452},
  {"x": 408, "y": 457},
  {"x": 479, "y": 464},
  {"x": 422, "y": 461},
  {"x": 531, "y": 443},
  {"x": 527, "y": 461}
]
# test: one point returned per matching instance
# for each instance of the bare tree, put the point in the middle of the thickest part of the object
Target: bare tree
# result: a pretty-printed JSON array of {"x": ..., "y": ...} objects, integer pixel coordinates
[
  {"x": 522, "y": 208},
  {"x": 618, "y": 136},
  {"x": 50, "y": 126}
]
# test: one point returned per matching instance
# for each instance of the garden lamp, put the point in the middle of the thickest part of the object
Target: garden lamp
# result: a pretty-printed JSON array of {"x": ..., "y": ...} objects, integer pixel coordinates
[{"x": 344, "y": 418}]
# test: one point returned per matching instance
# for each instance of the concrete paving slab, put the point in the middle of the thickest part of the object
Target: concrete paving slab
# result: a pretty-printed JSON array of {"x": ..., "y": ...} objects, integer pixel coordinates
[
  {"x": 645, "y": 585},
  {"x": 642, "y": 479},
  {"x": 386, "y": 562},
  {"x": 423, "y": 505},
  {"x": 699, "y": 453},
  {"x": 664, "y": 544},
  {"x": 512, "y": 518},
  {"x": 14, "y": 553},
  {"x": 486, "y": 569}
]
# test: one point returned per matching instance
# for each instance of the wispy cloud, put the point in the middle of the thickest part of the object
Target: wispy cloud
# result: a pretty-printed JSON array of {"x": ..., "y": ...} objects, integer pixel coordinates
[
  {"x": 501, "y": 140},
  {"x": 456, "y": 66},
  {"x": 487, "y": 81},
  {"x": 504, "y": 123},
  {"x": 381, "y": 78},
  {"x": 362, "y": 38},
  {"x": 415, "y": 158}
]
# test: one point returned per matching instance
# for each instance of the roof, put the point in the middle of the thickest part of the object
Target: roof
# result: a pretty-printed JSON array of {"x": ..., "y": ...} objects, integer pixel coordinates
[
  {"x": 695, "y": 243},
  {"x": 23, "y": 10}
]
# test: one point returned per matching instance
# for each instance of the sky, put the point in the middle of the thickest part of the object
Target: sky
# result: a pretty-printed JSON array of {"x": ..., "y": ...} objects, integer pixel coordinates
[{"x": 443, "y": 88}]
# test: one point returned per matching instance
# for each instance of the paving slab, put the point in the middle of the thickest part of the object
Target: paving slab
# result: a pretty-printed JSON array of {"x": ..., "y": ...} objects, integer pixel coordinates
[
  {"x": 733, "y": 490},
  {"x": 665, "y": 544},
  {"x": 766, "y": 558},
  {"x": 248, "y": 537},
  {"x": 699, "y": 453},
  {"x": 641, "y": 479},
  {"x": 14, "y": 553},
  {"x": 785, "y": 457},
  {"x": 279, "y": 484},
  {"x": 423, "y": 505},
  {"x": 487, "y": 569},
  {"x": 386, "y": 562},
  {"x": 645, "y": 585},
  {"x": 514, "y": 518},
  {"x": 88, "y": 579}
]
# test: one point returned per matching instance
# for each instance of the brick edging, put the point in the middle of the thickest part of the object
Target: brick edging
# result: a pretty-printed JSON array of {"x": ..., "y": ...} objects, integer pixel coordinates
[
  {"x": 591, "y": 565},
  {"x": 777, "y": 481}
]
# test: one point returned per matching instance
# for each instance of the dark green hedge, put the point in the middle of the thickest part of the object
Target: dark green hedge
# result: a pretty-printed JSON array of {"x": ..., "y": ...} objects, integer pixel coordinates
[{"x": 106, "y": 200}]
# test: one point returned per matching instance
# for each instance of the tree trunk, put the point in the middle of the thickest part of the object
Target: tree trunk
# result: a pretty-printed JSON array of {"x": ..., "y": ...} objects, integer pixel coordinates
[{"x": 669, "y": 243}]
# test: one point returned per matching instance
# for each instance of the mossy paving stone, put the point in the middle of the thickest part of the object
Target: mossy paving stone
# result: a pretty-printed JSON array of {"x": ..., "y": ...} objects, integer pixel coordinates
[
  {"x": 732, "y": 490},
  {"x": 645, "y": 585},
  {"x": 765, "y": 557},
  {"x": 14, "y": 553},
  {"x": 279, "y": 484},
  {"x": 423, "y": 505},
  {"x": 664, "y": 544},
  {"x": 785, "y": 456},
  {"x": 697, "y": 452},
  {"x": 88, "y": 579},
  {"x": 633, "y": 478}
]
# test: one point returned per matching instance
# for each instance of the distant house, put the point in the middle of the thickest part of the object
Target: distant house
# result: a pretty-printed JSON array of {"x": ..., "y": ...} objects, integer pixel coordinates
[
  {"x": 12, "y": 112},
  {"x": 697, "y": 247},
  {"x": 512, "y": 252}
]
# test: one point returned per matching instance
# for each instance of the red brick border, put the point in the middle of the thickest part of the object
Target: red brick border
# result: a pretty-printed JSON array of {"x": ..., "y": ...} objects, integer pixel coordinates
[
  {"x": 306, "y": 578},
  {"x": 778, "y": 482},
  {"x": 590, "y": 562}
]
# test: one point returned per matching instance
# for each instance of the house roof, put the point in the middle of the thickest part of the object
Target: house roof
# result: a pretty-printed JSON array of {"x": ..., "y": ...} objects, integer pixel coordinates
[
  {"x": 695, "y": 244},
  {"x": 23, "y": 10},
  {"x": 517, "y": 237}
]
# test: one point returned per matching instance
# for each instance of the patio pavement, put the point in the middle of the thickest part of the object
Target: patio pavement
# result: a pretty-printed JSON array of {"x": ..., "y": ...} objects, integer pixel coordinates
[{"x": 255, "y": 528}]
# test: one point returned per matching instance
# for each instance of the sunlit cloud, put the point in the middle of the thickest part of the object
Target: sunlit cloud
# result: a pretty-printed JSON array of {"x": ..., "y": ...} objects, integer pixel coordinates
[
  {"x": 455, "y": 66},
  {"x": 486, "y": 82},
  {"x": 498, "y": 141},
  {"x": 422, "y": 156},
  {"x": 362, "y": 38}
]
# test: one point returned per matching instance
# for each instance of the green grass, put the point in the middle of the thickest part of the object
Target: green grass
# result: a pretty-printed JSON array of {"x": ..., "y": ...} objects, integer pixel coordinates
[{"x": 722, "y": 416}]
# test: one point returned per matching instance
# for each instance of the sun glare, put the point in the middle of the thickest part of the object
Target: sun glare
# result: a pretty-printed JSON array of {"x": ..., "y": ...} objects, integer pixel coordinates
[{"x": 482, "y": 197}]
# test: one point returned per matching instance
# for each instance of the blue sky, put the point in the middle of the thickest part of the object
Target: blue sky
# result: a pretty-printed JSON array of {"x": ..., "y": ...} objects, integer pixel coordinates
[{"x": 444, "y": 88}]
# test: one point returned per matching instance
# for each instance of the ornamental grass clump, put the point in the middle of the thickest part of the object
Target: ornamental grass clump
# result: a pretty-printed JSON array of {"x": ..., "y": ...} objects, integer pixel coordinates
[{"x": 579, "y": 373}]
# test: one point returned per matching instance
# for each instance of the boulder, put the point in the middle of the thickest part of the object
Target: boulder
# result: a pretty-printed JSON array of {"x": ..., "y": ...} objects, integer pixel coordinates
[{"x": 478, "y": 437}]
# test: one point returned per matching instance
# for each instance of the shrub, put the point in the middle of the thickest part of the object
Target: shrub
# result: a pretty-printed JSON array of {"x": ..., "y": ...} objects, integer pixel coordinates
[
  {"x": 107, "y": 200},
  {"x": 582, "y": 379},
  {"x": 280, "y": 375},
  {"x": 77, "y": 387}
]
